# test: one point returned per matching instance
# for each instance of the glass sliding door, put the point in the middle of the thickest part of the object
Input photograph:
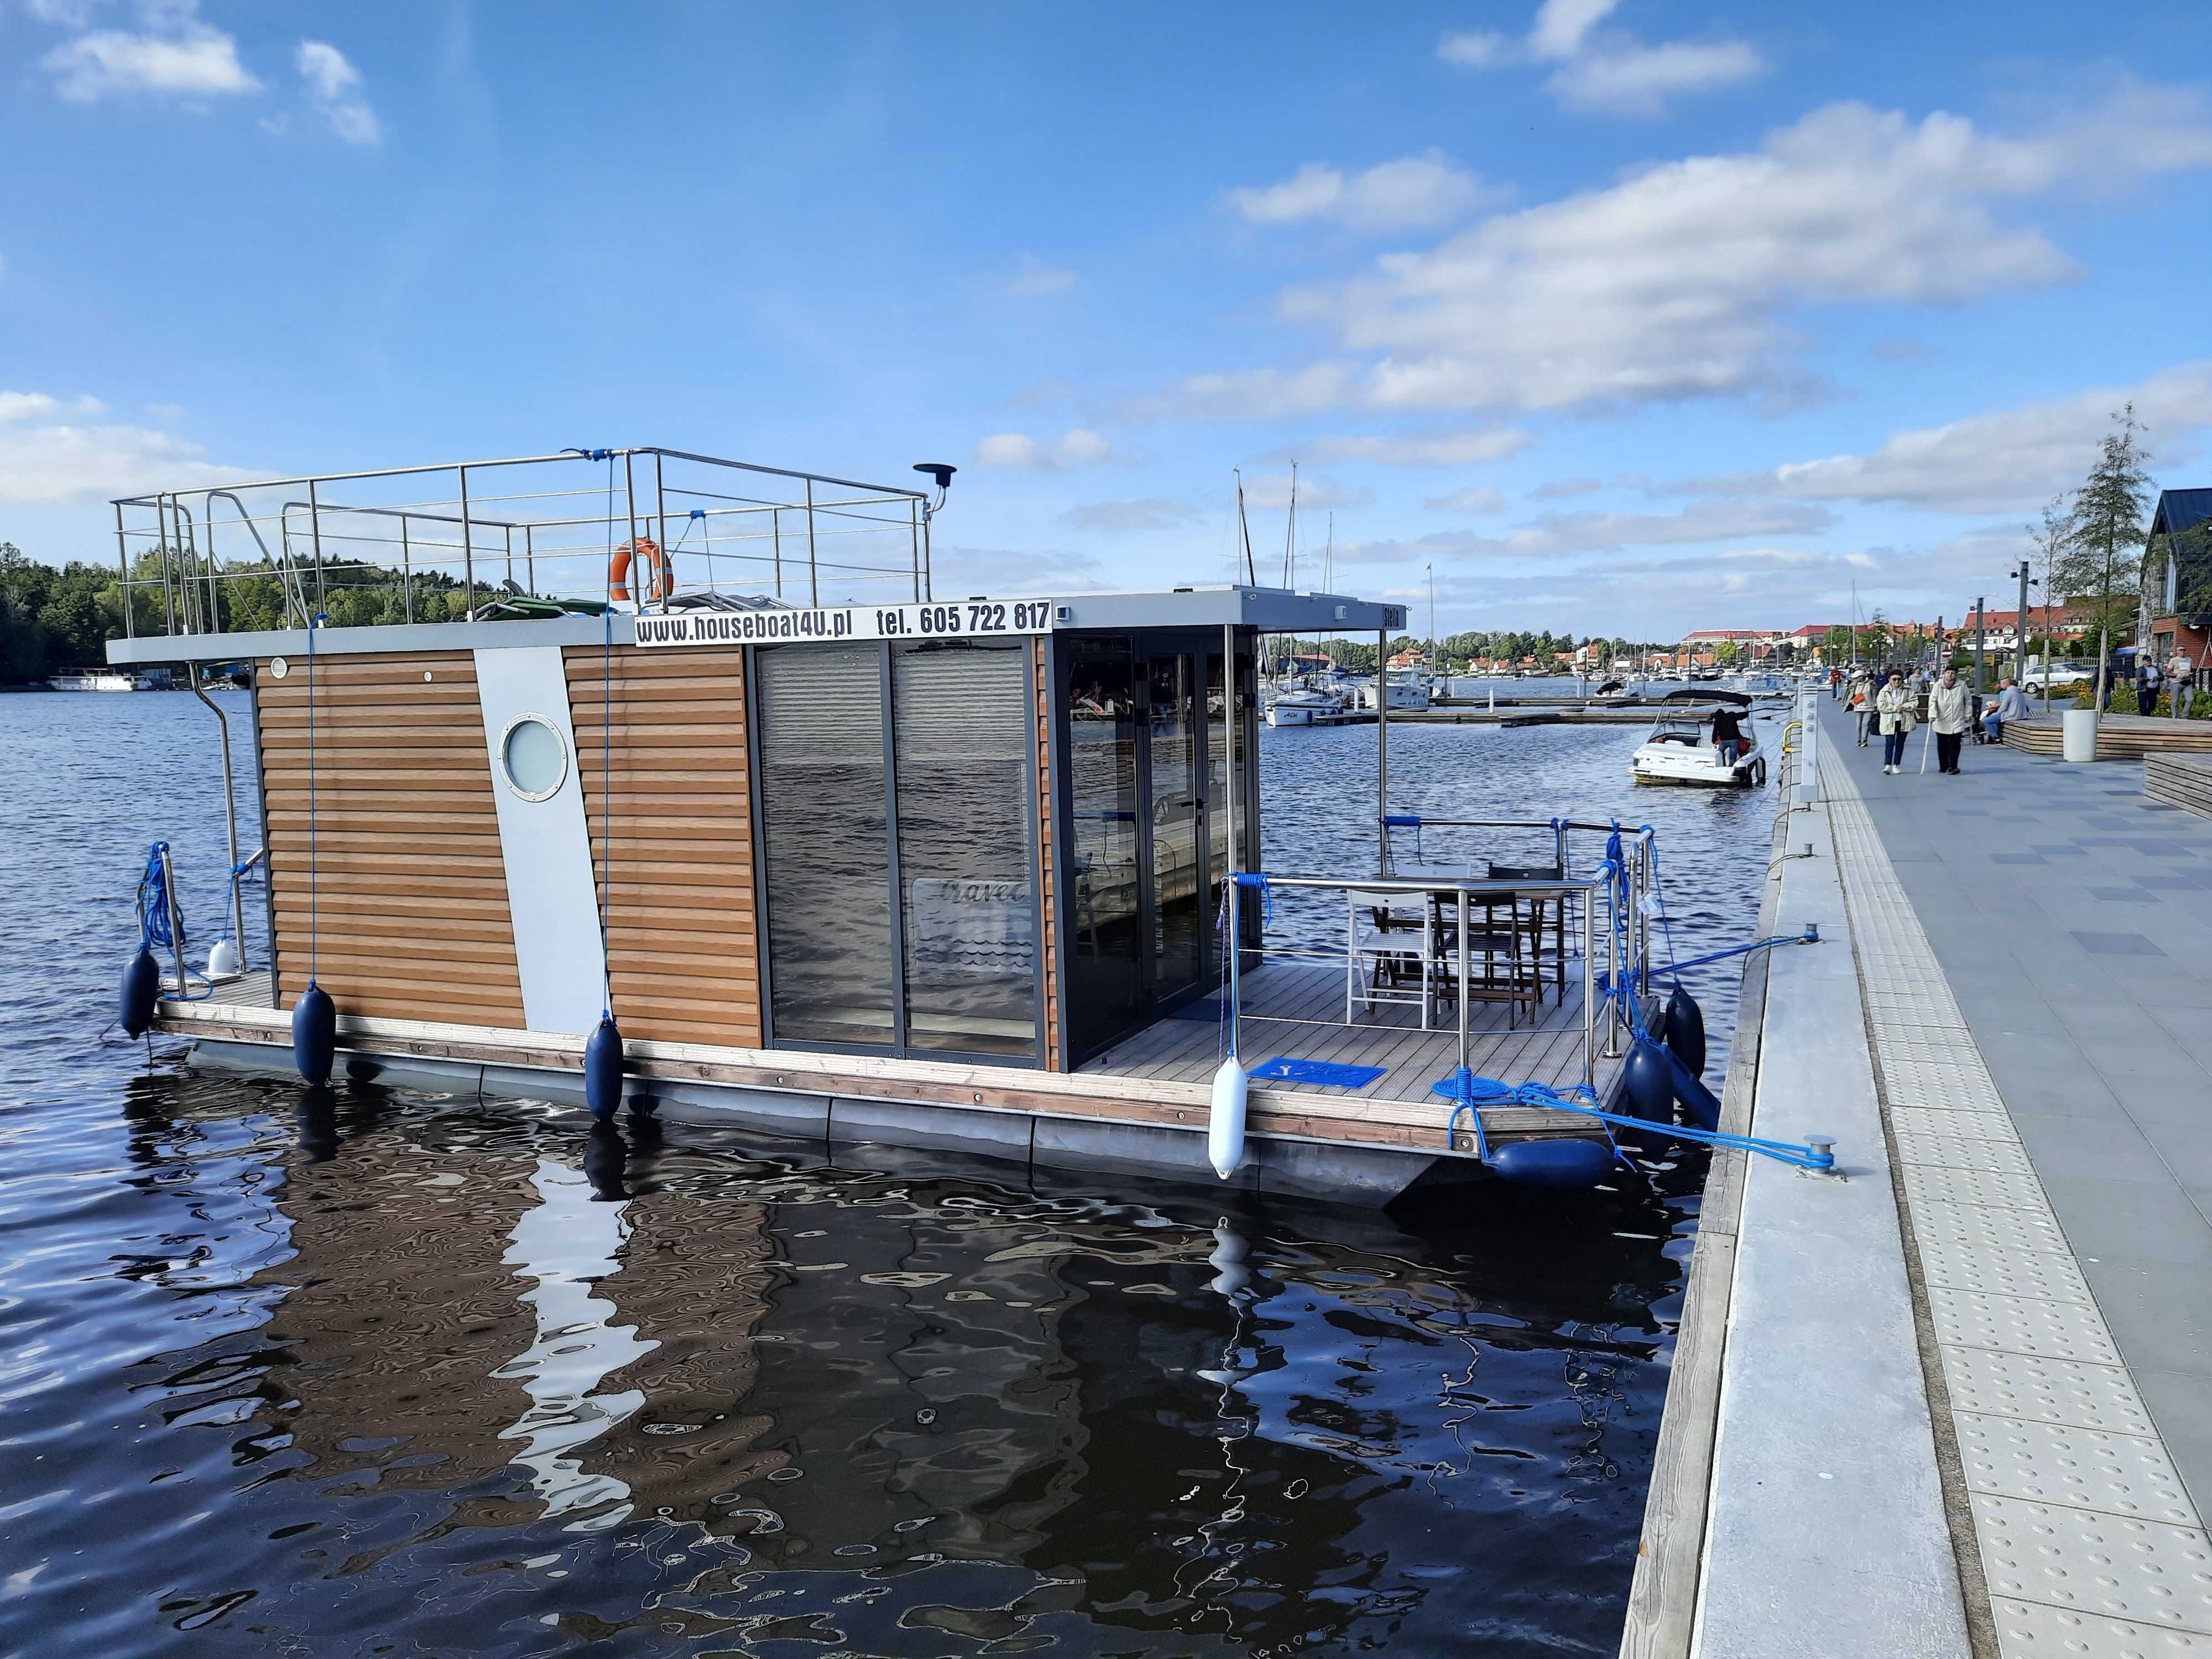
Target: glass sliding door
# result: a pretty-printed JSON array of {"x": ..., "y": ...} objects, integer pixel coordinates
[
  {"x": 826, "y": 851},
  {"x": 965, "y": 751},
  {"x": 1106, "y": 946},
  {"x": 1173, "y": 735}
]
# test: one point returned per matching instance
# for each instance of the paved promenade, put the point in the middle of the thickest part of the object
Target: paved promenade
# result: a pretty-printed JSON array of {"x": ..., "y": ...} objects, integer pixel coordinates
[{"x": 2072, "y": 923}]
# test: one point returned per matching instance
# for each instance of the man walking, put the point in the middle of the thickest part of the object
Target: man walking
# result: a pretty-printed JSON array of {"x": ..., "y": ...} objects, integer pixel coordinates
[
  {"x": 1894, "y": 709},
  {"x": 1950, "y": 711},
  {"x": 2147, "y": 686},
  {"x": 2180, "y": 675}
]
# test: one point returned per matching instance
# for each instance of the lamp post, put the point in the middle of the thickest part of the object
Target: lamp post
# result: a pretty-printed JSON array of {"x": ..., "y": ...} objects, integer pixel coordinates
[
  {"x": 2020, "y": 621},
  {"x": 1978, "y": 650}
]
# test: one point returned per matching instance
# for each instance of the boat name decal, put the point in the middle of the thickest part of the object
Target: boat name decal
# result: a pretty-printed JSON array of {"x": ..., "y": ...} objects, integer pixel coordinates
[{"x": 969, "y": 619}]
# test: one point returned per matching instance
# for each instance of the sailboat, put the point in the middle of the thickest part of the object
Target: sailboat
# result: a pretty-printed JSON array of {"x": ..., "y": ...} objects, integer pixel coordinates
[{"x": 1300, "y": 699}]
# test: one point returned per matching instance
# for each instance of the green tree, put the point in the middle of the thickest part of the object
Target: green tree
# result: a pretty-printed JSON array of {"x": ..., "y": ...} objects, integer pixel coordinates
[{"x": 2102, "y": 564}]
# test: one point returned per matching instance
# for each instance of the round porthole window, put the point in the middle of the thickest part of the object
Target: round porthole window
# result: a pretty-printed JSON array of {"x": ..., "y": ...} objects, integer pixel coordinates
[{"x": 533, "y": 757}]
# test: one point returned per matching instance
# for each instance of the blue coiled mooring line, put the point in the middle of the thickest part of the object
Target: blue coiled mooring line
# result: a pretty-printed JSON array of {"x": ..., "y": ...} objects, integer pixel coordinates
[
  {"x": 1537, "y": 1094},
  {"x": 154, "y": 930}
]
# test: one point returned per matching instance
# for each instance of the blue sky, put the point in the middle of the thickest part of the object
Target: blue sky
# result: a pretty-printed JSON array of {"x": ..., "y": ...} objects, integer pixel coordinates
[{"x": 1627, "y": 317}]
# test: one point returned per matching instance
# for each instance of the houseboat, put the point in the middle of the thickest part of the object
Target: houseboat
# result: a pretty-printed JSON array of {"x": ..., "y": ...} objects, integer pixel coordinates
[{"x": 698, "y": 751}]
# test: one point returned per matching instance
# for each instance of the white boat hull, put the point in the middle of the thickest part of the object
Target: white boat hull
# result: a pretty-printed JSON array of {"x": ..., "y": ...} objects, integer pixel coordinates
[{"x": 1699, "y": 768}]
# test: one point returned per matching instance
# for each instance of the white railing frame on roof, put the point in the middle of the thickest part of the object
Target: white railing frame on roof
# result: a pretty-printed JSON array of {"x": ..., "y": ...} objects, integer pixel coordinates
[{"x": 747, "y": 530}]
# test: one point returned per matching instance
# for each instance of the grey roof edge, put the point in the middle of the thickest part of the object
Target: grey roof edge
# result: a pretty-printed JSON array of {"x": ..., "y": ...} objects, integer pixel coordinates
[
  {"x": 365, "y": 641},
  {"x": 1273, "y": 610}
]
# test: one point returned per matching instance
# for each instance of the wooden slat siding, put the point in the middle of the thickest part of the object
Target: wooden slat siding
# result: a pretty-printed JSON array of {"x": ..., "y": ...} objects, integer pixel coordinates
[
  {"x": 410, "y": 885},
  {"x": 1048, "y": 850},
  {"x": 683, "y": 937}
]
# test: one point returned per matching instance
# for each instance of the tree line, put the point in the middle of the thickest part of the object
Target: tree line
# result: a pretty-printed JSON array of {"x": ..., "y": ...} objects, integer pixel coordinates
[{"x": 53, "y": 620}]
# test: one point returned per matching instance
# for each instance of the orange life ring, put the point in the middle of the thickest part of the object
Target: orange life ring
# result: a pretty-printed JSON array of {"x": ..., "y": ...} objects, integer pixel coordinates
[{"x": 660, "y": 577}]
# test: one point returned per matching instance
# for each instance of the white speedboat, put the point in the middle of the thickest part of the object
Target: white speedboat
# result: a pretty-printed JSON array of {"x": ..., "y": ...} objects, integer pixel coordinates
[
  {"x": 1406, "y": 692},
  {"x": 1304, "y": 706},
  {"x": 1680, "y": 750}
]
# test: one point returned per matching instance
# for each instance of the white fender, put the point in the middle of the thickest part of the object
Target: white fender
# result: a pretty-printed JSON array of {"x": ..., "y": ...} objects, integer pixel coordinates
[
  {"x": 1224, "y": 1134},
  {"x": 224, "y": 959}
]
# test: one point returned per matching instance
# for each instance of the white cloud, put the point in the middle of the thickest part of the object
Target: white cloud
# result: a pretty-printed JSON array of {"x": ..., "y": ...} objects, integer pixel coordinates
[
  {"x": 1077, "y": 446},
  {"x": 1561, "y": 488},
  {"x": 1143, "y": 512},
  {"x": 1638, "y": 80},
  {"x": 1434, "y": 449},
  {"x": 1606, "y": 70},
  {"x": 53, "y": 461},
  {"x": 2004, "y": 461},
  {"x": 1467, "y": 500},
  {"x": 29, "y": 405},
  {"x": 1272, "y": 490},
  {"x": 176, "y": 55},
  {"x": 1552, "y": 535},
  {"x": 987, "y": 570},
  {"x": 334, "y": 90},
  {"x": 1674, "y": 282},
  {"x": 1263, "y": 394},
  {"x": 1414, "y": 192},
  {"x": 1035, "y": 279}
]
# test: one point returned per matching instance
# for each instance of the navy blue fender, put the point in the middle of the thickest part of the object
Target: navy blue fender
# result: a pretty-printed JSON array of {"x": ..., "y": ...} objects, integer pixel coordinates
[
  {"x": 315, "y": 1033},
  {"x": 1561, "y": 1165},
  {"x": 602, "y": 1069},
  {"x": 1698, "y": 1103},
  {"x": 1647, "y": 1081},
  {"x": 142, "y": 986},
  {"x": 1685, "y": 1029}
]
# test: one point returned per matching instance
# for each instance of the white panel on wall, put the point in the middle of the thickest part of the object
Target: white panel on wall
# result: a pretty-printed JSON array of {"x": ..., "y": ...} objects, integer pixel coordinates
[{"x": 551, "y": 894}]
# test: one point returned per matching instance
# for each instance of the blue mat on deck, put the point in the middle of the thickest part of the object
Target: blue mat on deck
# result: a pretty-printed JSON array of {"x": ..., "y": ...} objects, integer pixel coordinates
[{"x": 1321, "y": 1072}]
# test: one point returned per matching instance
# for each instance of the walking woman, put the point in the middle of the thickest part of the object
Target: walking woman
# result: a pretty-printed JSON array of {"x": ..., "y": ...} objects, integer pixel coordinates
[{"x": 1894, "y": 708}]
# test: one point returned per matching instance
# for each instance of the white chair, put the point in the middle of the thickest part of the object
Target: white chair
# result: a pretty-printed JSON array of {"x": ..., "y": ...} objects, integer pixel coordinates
[{"x": 1382, "y": 948}]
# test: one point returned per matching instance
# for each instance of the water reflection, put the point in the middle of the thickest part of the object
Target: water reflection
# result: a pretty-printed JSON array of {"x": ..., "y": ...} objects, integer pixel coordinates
[
  {"x": 485, "y": 1380},
  {"x": 568, "y": 1243}
]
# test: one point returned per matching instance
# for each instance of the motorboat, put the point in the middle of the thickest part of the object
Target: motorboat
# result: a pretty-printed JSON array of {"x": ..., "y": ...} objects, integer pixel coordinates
[
  {"x": 1407, "y": 691},
  {"x": 1305, "y": 705},
  {"x": 1680, "y": 750}
]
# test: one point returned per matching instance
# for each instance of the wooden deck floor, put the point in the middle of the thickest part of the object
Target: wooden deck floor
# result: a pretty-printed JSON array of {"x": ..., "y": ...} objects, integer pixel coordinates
[{"x": 1295, "y": 1010}]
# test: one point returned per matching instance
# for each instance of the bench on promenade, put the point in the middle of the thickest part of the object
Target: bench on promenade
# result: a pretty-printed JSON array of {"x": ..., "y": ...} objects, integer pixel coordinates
[
  {"x": 2120, "y": 737},
  {"x": 2183, "y": 780}
]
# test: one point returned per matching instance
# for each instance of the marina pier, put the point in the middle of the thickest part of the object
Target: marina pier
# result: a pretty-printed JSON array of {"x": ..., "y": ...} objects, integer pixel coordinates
[{"x": 1958, "y": 1402}]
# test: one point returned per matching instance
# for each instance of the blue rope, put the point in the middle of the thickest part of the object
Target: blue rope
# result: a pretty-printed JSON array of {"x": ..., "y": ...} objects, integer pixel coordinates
[
  {"x": 1537, "y": 1094},
  {"x": 1806, "y": 937},
  {"x": 154, "y": 929}
]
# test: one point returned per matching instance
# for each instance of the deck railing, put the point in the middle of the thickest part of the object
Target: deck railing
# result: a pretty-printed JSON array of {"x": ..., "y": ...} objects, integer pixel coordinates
[
  {"x": 443, "y": 542},
  {"x": 1587, "y": 896}
]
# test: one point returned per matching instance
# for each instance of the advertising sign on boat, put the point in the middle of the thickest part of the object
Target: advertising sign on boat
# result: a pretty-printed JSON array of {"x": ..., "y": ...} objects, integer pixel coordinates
[{"x": 965, "y": 619}]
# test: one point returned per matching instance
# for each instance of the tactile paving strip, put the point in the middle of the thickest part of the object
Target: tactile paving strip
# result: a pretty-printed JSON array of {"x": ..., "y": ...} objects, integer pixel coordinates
[
  {"x": 2108, "y": 1565},
  {"x": 1952, "y": 1151},
  {"x": 2040, "y": 1275},
  {"x": 2034, "y": 1629},
  {"x": 2019, "y": 1324},
  {"x": 2089, "y": 1542},
  {"x": 1953, "y": 1120},
  {"x": 2051, "y": 1464}
]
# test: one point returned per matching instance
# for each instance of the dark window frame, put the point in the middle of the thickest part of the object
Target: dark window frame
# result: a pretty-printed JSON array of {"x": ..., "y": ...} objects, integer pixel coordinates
[{"x": 899, "y": 1048}]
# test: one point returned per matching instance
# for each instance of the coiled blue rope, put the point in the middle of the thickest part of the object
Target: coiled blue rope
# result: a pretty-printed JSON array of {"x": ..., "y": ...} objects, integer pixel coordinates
[{"x": 154, "y": 932}]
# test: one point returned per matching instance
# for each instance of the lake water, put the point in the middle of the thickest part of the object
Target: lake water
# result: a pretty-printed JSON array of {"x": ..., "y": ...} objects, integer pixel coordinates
[{"x": 392, "y": 1372}]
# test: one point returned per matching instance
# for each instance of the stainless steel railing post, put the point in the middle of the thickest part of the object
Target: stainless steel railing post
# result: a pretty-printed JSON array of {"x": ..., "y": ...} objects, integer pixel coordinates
[{"x": 176, "y": 917}]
